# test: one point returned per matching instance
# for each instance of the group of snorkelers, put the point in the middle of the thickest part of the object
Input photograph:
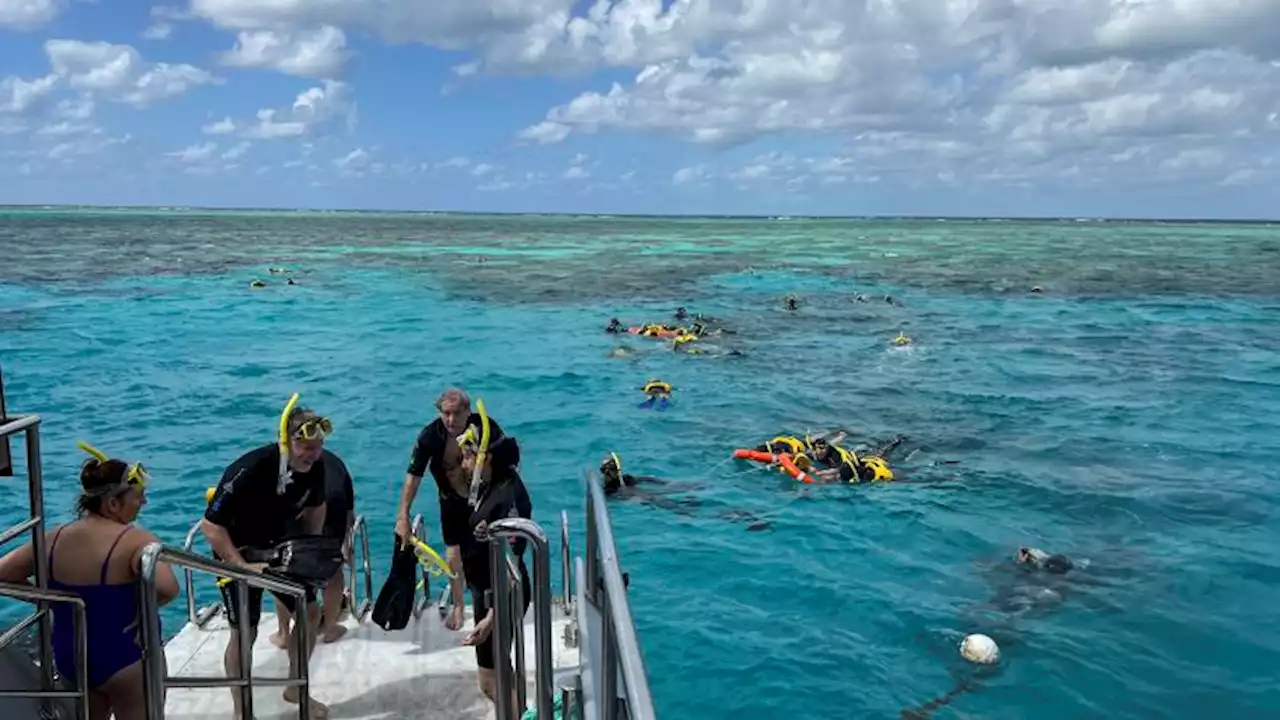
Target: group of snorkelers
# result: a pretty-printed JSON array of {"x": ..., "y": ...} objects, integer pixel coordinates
[{"x": 690, "y": 327}]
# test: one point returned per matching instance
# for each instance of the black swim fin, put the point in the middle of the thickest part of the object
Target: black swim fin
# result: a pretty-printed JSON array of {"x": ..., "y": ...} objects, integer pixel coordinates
[{"x": 395, "y": 602}]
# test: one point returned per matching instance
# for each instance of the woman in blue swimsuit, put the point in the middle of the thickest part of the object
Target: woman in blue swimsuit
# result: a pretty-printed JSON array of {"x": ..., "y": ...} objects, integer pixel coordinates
[{"x": 97, "y": 557}]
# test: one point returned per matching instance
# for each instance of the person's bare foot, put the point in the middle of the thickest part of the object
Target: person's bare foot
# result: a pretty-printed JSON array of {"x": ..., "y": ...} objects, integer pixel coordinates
[
  {"x": 333, "y": 633},
  {"x": 454, "y": 621},
  {"x": 280, "y": 639},
  {"x": 319, "y": 711}
]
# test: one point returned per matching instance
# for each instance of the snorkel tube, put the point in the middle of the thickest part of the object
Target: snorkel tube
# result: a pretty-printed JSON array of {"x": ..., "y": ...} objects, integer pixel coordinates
[
  {"x": 284, "y": 476},
  {"x": 95, "y": 452},
  {"x": 482, "y": 453}
]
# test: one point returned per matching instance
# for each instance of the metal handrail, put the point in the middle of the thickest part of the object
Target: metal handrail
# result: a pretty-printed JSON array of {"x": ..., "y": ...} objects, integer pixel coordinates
[
  {"x": 566, "y": 600},
  {"x": 80, "y": 632},
  {"x": 606, "y": 589},
  {"x": 359, "y": 610},
  {"x": 517, "y": 617},
  {"x": 197, "y": 618},
  {"x": 499, "y": 532},
  {"x": 155, "y": 678},
  {"x": 420, "y": 605},
  {"x": 29, "y": 425}
]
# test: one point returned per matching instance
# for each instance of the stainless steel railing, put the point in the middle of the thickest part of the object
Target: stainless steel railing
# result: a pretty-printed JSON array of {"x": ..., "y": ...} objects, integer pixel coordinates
[
  {"x": 156, "y": 678},
  {"x": 36, "y": 595},
  {"x": 197, "y": 618},
  {"x": 566, "y": 597},
  {"x": 603, "y": 611},
  {"x": 421, "y": 604},
  {"x": 41, "y": 595},
  {"x": 359, "y": 608},
  {"x": 500, "y": 531}
]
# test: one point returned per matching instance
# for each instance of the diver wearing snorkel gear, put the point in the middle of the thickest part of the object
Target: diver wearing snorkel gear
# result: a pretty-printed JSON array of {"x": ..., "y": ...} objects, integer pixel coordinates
[
  {"x": 496, "y": 492},
  {"x": 261, "y": 495},
  {"x": 437, "y": 448}
]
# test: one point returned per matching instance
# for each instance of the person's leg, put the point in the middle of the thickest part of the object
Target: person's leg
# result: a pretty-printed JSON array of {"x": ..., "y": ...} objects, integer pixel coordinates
[
  {"x": 319, "y": 711},
  {"x": 330, "y": 628},
  {"x": 235, "y": 614},
  {"x": 280, "y": 638},
  {"x": 126, "y": 694},
  {"x": 455, "y": 519},
  {"x": 99, "y": 706}
]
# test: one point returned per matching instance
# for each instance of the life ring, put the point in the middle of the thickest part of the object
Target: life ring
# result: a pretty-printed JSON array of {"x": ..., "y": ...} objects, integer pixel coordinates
[
  {"x": 746, "y": 454},
  {"x": 789, "y": 466}
]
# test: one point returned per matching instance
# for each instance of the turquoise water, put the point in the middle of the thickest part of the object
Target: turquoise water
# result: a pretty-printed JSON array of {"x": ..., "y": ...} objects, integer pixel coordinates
[{"x": 1126, "y": 416}]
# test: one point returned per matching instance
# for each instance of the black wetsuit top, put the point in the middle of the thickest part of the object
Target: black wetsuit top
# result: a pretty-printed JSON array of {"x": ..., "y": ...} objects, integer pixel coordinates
[
  {"x": 505, "y": 499},
  {"x": 247, "y": 505},
  {"x": 429, "y": 451},
  {"x": 340, "y": 495}
]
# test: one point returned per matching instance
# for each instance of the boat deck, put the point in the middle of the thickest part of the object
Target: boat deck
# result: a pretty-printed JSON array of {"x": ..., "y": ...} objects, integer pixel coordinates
[{"x": 423, "y": 671}]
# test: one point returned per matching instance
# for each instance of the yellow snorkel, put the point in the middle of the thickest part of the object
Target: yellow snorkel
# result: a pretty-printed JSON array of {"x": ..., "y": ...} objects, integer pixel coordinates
[
  {"x": 284, "y": 476},
  {"x": 617, "y": 461},
  {"x": 482, "y": 453},
  {"x": 95, "y": 452},
  {"x": 430, "y": 560}
]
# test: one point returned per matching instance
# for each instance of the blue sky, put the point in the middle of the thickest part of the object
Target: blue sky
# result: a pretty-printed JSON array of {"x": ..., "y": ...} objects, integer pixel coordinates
[{"x": 1168, "y": 108}]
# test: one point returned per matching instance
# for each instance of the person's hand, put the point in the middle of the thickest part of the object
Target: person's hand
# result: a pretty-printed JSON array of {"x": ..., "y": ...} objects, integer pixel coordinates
[
  {"x": 479, "y": 633},
  {"x": 482, "y": 531},
  {"x": 455, "y": 618},
  {"x": 256, "y": 567},
  {"x": 403, "y": 530}
]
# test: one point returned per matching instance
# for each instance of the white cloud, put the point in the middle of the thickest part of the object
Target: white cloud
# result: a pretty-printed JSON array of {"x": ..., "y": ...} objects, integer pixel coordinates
[
  {"x": 225, "y": 126},
  {"x": 236, "y": 151},
  {"x": 691, "y": 175},
  {"x": 313, "y": 110},
  {"x": 18, "y": 95},
  {"x": 195, "y": 153},
  {"x": 158, "y": 31},
  {"x": 162, "y": 21},
  {"x": 67, "y": 128},
  {"x": 310, "y": 53},
  {"x": 482, "y": 169},
  {"x": 354, "y": 160},
  {"x": 119, "y": 73},
  {"x": 28, "y": 14},
  {"x": 577, "y": 172}
]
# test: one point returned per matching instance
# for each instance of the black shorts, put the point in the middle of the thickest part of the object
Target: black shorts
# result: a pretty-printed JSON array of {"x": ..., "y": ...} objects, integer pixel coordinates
[
  {"x": 484, "y": 651},
  {"x": 255, "y": 603},
  {"x": 455, "y": 520}
]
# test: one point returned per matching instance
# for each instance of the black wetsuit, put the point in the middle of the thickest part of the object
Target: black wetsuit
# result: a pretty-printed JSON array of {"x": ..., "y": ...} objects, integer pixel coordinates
[
  {"x": 504, "y": 497},
  {"x": 340, "y": 496},
  {"x": 438, "y": 449},
  {"x": 256, "y": 516}
]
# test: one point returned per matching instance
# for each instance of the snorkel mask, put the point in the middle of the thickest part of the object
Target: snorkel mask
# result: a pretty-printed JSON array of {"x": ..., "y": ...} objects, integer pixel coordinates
[
  {"x": 317, "y": 427},
  {"x": 135, "y": 475}
]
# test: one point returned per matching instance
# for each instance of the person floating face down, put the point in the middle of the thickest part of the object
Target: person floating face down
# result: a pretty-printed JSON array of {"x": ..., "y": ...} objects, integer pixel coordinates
[
  {"x": 1037, "y": 559},
  {"x": 615, "y": 326},
  {"x": 501, "y": 494},
  {"x": 263, "y": 495}
]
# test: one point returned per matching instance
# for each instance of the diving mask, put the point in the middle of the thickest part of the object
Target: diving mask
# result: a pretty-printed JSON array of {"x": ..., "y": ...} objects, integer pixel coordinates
[
  {"x": 317, "y": 427},
  {"x": 135, "y": 475}
]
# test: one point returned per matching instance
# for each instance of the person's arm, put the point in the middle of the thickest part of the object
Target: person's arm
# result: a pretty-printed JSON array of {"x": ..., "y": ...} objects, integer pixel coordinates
[
  {"x": 222, "y": 508},
  {"x": 166, "y": 581},
  {"x": 18, "y": 565},
  {"x": 425, "y": 451}
]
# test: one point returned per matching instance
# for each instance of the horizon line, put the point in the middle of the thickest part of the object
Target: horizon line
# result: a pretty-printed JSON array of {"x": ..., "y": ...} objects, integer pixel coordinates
[{"x": 608, "y": 215}]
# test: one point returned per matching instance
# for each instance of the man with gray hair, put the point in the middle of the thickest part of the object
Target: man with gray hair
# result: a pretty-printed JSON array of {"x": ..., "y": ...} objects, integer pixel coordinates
[{"x": 437, "y": 449}]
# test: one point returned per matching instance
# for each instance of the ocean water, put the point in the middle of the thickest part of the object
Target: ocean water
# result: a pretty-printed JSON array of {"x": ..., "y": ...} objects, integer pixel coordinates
[{"x": 1125, "y": 416}]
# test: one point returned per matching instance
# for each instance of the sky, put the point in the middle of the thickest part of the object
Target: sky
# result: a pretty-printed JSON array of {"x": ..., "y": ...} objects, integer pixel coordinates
[{"x": 1065, "y": 108}]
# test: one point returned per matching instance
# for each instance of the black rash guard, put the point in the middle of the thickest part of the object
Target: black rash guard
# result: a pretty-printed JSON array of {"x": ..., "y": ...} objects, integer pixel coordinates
[
  {"x": 340, "y": 495},
  {"x": 247, "y": 505},
  {"x": 437, "y": 449}
]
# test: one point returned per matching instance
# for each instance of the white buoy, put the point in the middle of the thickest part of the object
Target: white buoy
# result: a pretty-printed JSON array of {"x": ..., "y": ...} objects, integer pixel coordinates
[{"x": 979, "y": 648}]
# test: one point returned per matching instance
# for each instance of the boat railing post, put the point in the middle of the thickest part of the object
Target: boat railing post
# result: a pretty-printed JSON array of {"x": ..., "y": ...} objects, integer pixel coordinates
[
  {"x": 531, "y": 532},
  {"x": 565, "y": 575},
  {"x": 499, "y": 606},
  {"x": 155, "y": 679},
  {"x": 608, "y": 591},
  {"x": 517, "y": 619},
  {"x": 420, "y": 605},
  {"x": 80, "y": 631},
  {"x": 360, "y": 532},
  {"x": 35, "y": 489}
]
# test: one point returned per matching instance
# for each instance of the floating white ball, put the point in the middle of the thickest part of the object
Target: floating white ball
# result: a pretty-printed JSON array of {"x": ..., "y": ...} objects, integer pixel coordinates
[{"x": 979, "y": 648}]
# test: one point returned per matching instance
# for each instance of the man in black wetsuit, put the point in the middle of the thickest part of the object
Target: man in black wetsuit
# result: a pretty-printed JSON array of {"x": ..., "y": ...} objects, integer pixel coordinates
[
  {"x": 256, "y": 504},
  {"x": 437, "y": 448},
  {"x": 339, "y": 518}
]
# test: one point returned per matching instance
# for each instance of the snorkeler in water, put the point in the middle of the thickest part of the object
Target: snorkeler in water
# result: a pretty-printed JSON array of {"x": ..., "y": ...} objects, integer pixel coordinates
[
  {"x": 621, "y": 485},
  {"x": 1037, "y": 559},
  {"x": 615, "y": 326},
  {"x": 657, "y": 395},
  {"x": 791, "y": 302}
]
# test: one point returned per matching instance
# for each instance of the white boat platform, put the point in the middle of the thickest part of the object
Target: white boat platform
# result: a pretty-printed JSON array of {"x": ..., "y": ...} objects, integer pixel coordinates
[{"x": 423, "y": 671}]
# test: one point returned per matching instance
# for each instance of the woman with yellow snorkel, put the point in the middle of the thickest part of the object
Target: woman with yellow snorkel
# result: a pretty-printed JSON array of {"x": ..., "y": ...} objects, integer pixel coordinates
[
  {"x": 97, "y": 558},
  {"x": 496, "y": 492}
]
